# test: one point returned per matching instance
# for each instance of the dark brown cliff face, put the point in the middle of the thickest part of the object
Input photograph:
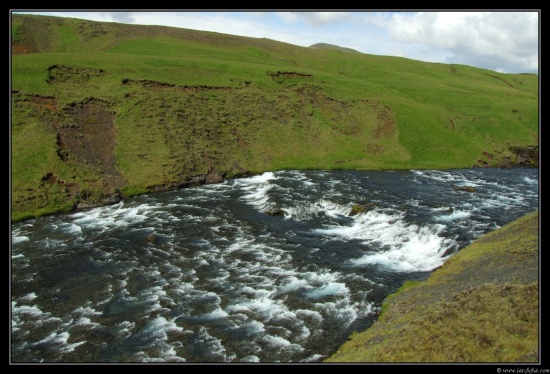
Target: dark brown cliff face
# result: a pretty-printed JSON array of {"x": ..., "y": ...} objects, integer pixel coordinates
[
  {"x": 517, "y": 155},
  {"x": 527, "y": 155},
  {"x": 522, "y": 155}
]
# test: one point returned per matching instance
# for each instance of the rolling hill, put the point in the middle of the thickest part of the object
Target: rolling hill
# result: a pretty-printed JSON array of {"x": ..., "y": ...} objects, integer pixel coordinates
[{"x": 102, "y": 111}]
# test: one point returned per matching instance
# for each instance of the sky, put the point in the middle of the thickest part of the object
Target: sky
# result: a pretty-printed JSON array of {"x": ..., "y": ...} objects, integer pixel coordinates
[{"x": 503, "y": 41}]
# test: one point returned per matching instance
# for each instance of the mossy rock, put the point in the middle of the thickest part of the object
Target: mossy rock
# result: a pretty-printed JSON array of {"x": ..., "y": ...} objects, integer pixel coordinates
[{"x": 360, "y": 208}]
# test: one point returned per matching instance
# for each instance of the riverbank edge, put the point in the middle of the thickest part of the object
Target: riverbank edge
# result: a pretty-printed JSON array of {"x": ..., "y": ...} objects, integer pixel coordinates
[
  {"x": 118, "y": 197},
  {"x": 482, "y": 305}
]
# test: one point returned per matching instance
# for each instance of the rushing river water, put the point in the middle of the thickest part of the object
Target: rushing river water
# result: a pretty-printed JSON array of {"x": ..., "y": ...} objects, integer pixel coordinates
[{"x": 226, "y": 282}]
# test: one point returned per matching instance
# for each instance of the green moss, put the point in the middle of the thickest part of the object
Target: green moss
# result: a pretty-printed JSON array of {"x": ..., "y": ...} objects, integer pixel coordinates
[
  {"x": 408, "y": 284},
  {"x": 129, "y": 191}
]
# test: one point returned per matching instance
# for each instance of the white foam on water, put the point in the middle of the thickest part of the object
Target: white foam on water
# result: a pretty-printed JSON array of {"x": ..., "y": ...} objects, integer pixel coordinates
[
  {"x": 254, "y": 326},
  {"x": 114, "y": 216},
  {"x": 33, "y": 311},
  {"x": 306, "y": 211},
  {"x": 310, "y": 316},
  {"x": 85, "y": 321},
  {"x": 16, "y": 239},
  {"x": 17, "y": 256},
  {"x": 259, "y": 196},
  {"x": 71, "y": 228},
  {"x": 478, "y": 181},
  {"x": 530, "y": 180},
  {"x": 298, "y": 176},
  {"x": 19, "y": 236},
  {"x": 340, "y": 310},
  {"x": 125, "y": 328},
  {"x": 264, "y": 306},
  {"x": 292, "y": 283},
  {"x": 455, "y": 215},
  {"x": 386, "y": 260},
  {"x": 368, "y": 226},
  {"x": 249, "y": 291},
  {"x": 54, "y": 243},
  {"x": 216, "y": 350},
  {"x": 256, "y": 189},
  {"x": 29, "y": 297},
  {"x": 55, "y": 338},
  {"x": 215, "y": 314},
  {"x": 313, "y": 358},
  {"x": 169, "y": 354},
  {"x": 514, "y": 199},
  {"x": 159, "y": 326},
  {"x": 19, "y": 314},
  {"x": 239, "y": 243},
  {"x": 467, "y": 183},
  {"x": 150, "y": 298},
  {"x": 502, "y": 201},
  {"x": 201, "y": 262},
  {"x": 250, "y": 358},
  {"x": 267, "y": 176},
  {"x": 438, "y": 175},
  {"x": 326, "y": 290},
  {"x": 155, "y": 335},
  {"x": 304, "y": 334},
  {"x": 87, "y": 310},
  {"x": 424, "y": 251},
  {"x": 404, "y": 247},
  {"x": 281, "y": 344},
  {"x": 441, "y": 209},
  {"x": 318, "y": 279}
]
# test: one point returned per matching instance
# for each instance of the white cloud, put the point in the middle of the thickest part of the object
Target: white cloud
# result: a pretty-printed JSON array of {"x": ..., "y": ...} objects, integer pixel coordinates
[
  {"x": 321, "y": 18},
  {"x": 504, "y": 40},
  {"x": 122, "y": 17}
]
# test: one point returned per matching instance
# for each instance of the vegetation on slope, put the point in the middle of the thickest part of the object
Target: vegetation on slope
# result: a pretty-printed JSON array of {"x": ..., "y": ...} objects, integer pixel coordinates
[
  {"x": 482, "y": 305},
  {"x": 333, "y": 47},
  {"x": 105, "y": 110}
]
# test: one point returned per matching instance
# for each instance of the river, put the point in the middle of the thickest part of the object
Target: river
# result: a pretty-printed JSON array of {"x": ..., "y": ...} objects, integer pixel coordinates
[{"x": 204, "y": 274}]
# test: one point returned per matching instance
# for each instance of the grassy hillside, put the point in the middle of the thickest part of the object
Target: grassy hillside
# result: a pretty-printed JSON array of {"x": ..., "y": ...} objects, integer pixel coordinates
[
  {"x": 333, "y": 47},
  {"x": 482, "y": 305},
  {"x": 106, "y": 110}
]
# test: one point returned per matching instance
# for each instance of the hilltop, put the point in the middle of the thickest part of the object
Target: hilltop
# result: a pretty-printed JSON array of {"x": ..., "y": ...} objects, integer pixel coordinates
[
  {"x": 333, "y": 47},
  {"x": 102, "y": 111}
]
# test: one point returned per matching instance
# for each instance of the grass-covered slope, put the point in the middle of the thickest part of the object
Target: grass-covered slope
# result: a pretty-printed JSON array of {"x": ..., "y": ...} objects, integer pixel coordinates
[
  {"x": 482, "y": 305},
  {"x": 104, "y": 110}
]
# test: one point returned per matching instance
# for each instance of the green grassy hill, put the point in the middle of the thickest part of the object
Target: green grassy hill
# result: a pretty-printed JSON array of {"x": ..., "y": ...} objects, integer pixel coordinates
[
  {"x": 333, "y": 47},
  {"x": 102, "y": 111},
  {"x": 482, "y": 305}
]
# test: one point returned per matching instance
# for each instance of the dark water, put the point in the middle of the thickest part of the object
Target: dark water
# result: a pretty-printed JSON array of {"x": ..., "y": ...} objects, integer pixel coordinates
[{"x": 226, "y": 282}]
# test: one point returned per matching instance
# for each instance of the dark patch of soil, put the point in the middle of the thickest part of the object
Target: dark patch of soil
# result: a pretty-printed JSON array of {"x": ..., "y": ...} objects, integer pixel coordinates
[
  {"x": 387, "y": 125},
  {"x": 92, "y": 141},
  {"x": 21, "y": 49}
]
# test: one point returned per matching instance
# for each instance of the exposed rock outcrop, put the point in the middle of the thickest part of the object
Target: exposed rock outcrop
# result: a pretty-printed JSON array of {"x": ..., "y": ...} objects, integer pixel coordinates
[
  {"x": 276, "y": 212},
  {"x": 465, "y": 188},
  {"x": 360, "y": 208}
]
